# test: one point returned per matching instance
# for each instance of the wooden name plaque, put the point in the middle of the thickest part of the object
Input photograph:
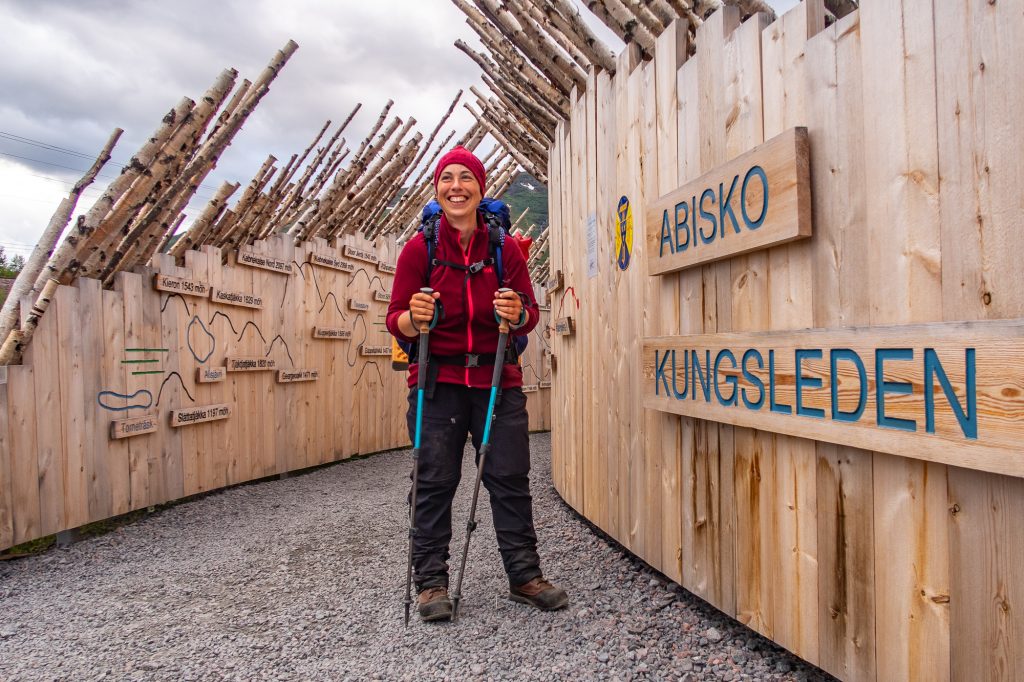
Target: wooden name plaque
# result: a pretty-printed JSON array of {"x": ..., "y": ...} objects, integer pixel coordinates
[
  {"x": 239, "y": 298},
  {"x": 331, "y": 333},
  {"x": 136, "y": 426},
  {"x": 545, "y": 384},
  {"x": 565, "y": 326},
  {"x": 178, "y": 285},
  {"x": 360, "y": 254},
  {"x": 365, "y": 350},
  {"x": 757, "y": 200},
  {"x": 210, "y": 375},
  {"x": 331, "y": 262},
  {"x": 240, "y": 364},
  {"x": 288, "y": 376},
  {"x": 257, "y": 260},
  {"x": 386, "y": 268},
  {"x": 198, "y": 415},
  {"x": 360, "y": 306},
  {"x": 382, "y": 296},
  {"x": 554, "y": 284},
  {"x": 949, "y": 392},
  {"x": 530, "y": 388}
]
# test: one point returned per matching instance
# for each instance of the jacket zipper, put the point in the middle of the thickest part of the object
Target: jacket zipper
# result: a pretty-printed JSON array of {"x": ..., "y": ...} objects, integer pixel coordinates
[{"x": 469, "y": 300}]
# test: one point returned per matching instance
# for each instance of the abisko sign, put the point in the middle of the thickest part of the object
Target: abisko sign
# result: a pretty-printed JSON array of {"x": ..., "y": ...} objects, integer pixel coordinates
[{"x": 757, "y": 200}]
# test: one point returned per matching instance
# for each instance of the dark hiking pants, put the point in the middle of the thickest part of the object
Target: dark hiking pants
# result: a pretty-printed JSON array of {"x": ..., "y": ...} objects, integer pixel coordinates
[{"x": 454, "y": 412}]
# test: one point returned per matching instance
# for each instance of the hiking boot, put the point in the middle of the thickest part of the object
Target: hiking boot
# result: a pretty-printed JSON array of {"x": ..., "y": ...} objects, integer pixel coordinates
[
  {"x": 541, "y": 594},
  {"x": 433, "y": 604}
]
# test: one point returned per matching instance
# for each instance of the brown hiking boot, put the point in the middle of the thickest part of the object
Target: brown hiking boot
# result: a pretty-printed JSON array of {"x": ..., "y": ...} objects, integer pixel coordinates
[
  {"x": 541, "y": 594},
  {"x": 433, "y": 604}
]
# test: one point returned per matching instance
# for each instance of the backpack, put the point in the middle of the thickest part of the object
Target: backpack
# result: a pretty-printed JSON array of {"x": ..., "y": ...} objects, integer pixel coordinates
[{"x": 498, "y": 220}]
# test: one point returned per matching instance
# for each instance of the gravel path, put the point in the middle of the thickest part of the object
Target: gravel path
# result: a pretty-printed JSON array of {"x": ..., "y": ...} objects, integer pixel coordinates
[{"x": 303, "y": 578}]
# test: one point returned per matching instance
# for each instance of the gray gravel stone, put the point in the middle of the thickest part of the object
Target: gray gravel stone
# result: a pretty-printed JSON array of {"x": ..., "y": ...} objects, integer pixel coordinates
[{"x": 303, "y": 579}]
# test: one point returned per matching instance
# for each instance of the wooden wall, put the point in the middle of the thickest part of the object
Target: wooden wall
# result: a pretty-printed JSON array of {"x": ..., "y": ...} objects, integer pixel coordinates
[
  {"x": 870, "y": 565},
  {"x": 60, "y": 469}
]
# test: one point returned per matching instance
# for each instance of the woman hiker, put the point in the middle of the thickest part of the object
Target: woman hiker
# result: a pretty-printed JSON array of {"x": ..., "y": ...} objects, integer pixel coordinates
[{"x": 463, "y": 350}]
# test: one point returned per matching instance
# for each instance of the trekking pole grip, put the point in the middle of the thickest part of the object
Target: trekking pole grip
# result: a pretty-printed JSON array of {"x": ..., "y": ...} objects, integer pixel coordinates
[
  {"x": 429, "y": 292},
  {"x": 503, "y": 323}
]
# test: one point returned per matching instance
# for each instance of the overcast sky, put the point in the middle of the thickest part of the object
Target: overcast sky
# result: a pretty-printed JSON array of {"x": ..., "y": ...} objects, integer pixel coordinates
[{"x": 73, "y": 70}]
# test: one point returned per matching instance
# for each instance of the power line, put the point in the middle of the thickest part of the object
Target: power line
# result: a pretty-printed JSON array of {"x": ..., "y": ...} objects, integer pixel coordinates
[{"x": 61, "y": 150}]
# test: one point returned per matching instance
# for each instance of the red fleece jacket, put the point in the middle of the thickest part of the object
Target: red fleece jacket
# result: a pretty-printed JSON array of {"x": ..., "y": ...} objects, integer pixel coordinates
[{"x": 468, "y": 325}]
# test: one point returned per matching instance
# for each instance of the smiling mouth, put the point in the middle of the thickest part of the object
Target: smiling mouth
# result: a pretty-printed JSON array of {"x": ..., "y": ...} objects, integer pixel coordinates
[{"x": 458, "y": 200}]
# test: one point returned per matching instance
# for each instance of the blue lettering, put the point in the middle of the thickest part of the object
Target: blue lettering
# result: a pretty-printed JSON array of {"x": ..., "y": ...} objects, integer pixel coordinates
[
  {"x": 731, "y": 380},
  {"x": 659, "y": 373},
  {"x": 933, "y": 368},
  {"x": 774, "y": 406},
  {"x": 703, "y": 377},
  {"x": 666, "y": 237},
  {"x": 686, "y": 377},
  {"x": 725, "y": 206},
  {"x": 753, "y": 379},
  {"x": 710, "y": 217},
  {"x": 894, "y": 387},
  {"x": 835, "y": 356},
  {"x": 810, "y": 382},
  {"x": 684, "y": 225},
  {"x": 759, "y": 172}
]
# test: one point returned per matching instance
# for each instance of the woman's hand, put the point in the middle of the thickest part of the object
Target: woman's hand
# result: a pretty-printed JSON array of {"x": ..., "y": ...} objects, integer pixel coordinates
[
  {"x": 508, "y": 305},
  {"x": 421, "y": 309}
]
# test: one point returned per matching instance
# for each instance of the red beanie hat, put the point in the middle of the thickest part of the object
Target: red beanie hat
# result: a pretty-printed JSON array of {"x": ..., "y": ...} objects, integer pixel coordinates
[{"x": 462, "y": 156}]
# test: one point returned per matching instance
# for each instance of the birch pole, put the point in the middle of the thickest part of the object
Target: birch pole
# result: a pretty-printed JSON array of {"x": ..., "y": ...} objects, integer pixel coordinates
[
  {"x": 136, "y": 166},
  {"x": 195, "y": 235},
  {"x": 497, "y": 135},
  {"x": 207, "y": 156},
  {"x": 47, "y": 242},
  {"x": 566, "y": 18}
]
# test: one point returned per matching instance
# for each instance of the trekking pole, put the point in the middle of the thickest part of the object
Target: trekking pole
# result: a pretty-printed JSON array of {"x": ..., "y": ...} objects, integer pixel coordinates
[
  {"x": 422, "y": 357},
  {"x": 485, "y": 446}
]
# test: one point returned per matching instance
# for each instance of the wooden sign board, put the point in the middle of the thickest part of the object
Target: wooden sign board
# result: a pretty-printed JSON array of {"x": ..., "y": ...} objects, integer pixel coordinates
[
  {"x": 179, "y": 285},
  {"x": 257, "y": 364},
  {"x": 239, "y": 298},
  {"x": 336, "y": 333},
  {"x": 331, "y": 262},
  {"x": 136, "y": 426},
  {"x": 565, "y": 326},
  {"x": 288, "y": 376},
  {"x": 360, "y": 306},
  {"x": 198, "y": 415},
  {"x": 530, "y": 388},
  {"x": 382, "y": 296},
  {"x": 360, "y": 254},
  {"x": 545, "y": 384},
  {"x": 210, "y": 375},
  {"x": 257, "y": 260},
  {"x": 544, "y": 308},
  {"x": 374, "y": 350},
  {"x": 759, "y": 199},
  {"x": 553, "y": 284},
  {"x": 386, "y": 268},
  {"x": 950, "y": 392}
]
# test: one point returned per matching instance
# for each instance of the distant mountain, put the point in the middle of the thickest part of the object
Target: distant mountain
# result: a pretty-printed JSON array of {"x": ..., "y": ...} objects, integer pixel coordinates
[{"x": 528, "y": 192}]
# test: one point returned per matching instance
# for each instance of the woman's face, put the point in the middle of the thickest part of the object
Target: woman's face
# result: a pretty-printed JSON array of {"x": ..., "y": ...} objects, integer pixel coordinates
[{"x": 458, "y": 192}]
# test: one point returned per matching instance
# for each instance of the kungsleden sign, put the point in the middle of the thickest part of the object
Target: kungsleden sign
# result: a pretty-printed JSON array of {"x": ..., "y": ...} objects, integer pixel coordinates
[
  {"x": 757, "y": 200},
  {"x": 949, "y": 392}
]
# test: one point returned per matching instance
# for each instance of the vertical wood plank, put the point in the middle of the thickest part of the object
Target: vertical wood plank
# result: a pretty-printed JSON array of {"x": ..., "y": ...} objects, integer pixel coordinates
[
  {"x": 44, "y": 359},
  {"x": 70, "y": 358},
  {"x": 6, "y": 473},
  {"x": 24, "y": 464},
  {"x": 114, "y": 454},
  {"x": 911, "y": 538}
]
